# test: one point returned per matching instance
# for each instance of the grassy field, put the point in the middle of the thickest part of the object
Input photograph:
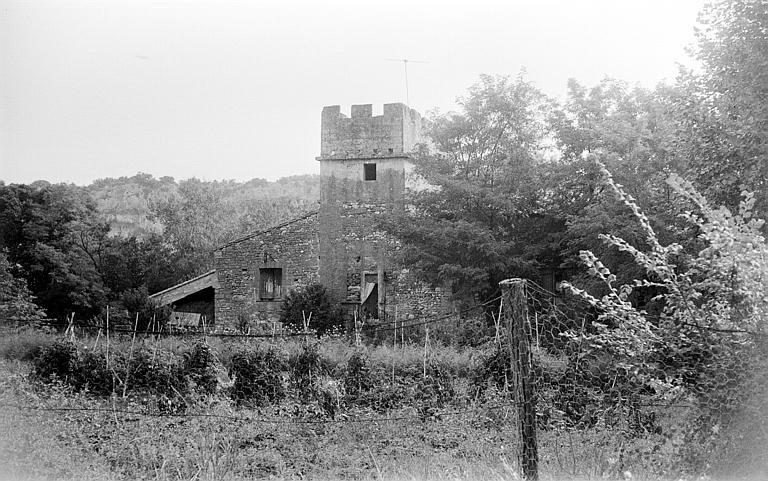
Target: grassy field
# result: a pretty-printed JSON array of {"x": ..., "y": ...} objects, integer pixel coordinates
[{"x": 53, "y": 430}]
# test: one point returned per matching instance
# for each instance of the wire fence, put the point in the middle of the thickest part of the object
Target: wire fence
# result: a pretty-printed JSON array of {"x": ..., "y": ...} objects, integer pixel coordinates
[
  {"x": 576, "y": 368},
  {"x": 681, "y": 395},
  {"x": 202, "y": 331}
]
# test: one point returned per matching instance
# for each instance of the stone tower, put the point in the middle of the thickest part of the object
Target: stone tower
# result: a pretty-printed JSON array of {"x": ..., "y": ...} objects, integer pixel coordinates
[{"x": 364, "y": 161}]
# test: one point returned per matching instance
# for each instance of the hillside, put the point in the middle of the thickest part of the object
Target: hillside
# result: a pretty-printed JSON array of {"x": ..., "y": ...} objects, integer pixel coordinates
[{"x": 128, "y": 203}]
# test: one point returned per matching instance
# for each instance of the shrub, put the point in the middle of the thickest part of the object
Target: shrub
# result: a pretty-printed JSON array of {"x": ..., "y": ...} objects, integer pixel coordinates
[
  {"x": 257, "y": 376},
  {"x": 92, "y": 374},
  {"x": 306, "y": 367},
  {"x": 357, "y": 375},
  {"x": 436, "y": 389},
  {"x": 153, "y": 372},
  {"x": 493, "y": 369},
  {"x": 59, "y": 360},
  {"x": 199, "y": 367},
  {"x": 137, "y": 303},
  {"x": 312, "y": 299},
  {"x": 708, "y": 341}
]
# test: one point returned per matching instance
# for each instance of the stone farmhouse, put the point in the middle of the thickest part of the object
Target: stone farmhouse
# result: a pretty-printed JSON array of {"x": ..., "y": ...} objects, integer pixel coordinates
[{"x": 365, "y": 171}]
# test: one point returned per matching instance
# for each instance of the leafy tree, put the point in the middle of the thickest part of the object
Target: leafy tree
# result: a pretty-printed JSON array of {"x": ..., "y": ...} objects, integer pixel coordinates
[
  {"x": 474, "y": 226},
  {"x": 40, "y": 228},
  {"x": 16, "y": 302},
  {"x": 721, "y": 112}
]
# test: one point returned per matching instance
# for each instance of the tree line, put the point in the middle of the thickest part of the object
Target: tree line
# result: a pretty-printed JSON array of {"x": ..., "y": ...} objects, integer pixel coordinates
[
  {"x": 62, "y": 253},
  {"x": 516, "y": 187}
]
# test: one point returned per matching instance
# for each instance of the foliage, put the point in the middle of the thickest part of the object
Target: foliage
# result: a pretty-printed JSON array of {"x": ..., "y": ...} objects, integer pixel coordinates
[
  {"x": 493, "y": 369},
  {"x": 16, "y": 302},
  {"x": 357, "y": 375},
  {"x": 43, "y": 229},
  {"x": 708, "y": 339},
  {"x": 311, "y": 300},
  {"x": 142, "y": 311},
  {"x": 199, "y": 366},
  {"x": 470, "y": 228},
  {"x": 719, "y": 112},
  {"x": 56, "y": 361},
  {"x": 307, "y": 366},
  {"x": 257, "y": 376}
]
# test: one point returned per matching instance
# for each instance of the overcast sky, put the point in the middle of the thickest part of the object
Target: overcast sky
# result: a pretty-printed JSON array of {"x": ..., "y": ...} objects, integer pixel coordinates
[{"x": 234, "y": 90}]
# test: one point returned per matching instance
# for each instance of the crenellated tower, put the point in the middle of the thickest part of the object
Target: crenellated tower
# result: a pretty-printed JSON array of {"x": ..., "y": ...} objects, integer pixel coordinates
[{"x": 364, "y": 163}]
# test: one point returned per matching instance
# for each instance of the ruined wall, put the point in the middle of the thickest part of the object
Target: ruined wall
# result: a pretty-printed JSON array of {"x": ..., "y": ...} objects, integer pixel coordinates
[
  {"x": 292, "y": 247},
  {"x": 411, "y": 298}
]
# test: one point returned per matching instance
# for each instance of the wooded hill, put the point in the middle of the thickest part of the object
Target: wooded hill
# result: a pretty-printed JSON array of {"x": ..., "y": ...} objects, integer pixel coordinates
[{"x": 128, "y": 203}]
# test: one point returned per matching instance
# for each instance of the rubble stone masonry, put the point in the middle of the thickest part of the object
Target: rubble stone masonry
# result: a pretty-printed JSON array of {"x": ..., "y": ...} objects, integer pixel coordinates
[{"x": 291, "y": 247}]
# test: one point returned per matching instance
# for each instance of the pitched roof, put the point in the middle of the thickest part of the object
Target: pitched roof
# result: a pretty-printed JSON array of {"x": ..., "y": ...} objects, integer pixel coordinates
[{"x": 275, "y": 227}]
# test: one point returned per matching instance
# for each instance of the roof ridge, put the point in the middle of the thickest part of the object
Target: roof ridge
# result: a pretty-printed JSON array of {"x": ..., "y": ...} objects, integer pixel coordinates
[{"x": 269, "y": 229}]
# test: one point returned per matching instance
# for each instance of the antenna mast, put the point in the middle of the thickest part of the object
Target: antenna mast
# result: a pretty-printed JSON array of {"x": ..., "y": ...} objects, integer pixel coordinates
[{"x": 405, "y": 69}]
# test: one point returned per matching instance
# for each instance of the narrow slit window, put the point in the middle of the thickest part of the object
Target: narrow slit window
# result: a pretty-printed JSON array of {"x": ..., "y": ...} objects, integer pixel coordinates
[
  {"x": 369, "y": 171},
  {"x": 270, "y": 284}
]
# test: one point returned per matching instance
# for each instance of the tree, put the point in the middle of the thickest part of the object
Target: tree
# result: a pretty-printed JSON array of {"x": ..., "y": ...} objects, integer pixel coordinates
[
  {"x": 40, "y": 228},
  {"x": 721, "y": 113},
  {"x": 16, "y": 302},
  {"x": 472, "y": 227}
]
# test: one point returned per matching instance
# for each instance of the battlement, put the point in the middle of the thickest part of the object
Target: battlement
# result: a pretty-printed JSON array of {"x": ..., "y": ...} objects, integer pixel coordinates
[{"x": 363, "y": 135}]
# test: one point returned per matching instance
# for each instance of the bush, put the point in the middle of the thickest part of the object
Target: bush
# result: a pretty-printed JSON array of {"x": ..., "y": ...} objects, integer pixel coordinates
[
  {"x": 156, "y": 373},
  {"x": 494, "y": 369},
  {"x": 436, "y": 389},
  {"x": 306, "y": 367},
  {"x": 92, "y": 374},
  {"x": 357, "y": 375},
  {"x": 258, "y": 376},
  {"x": 200, "y": 367},
  {"x": 140, "y": 371},
  {"x": 57, "y": 361},
  {"x": 314, "y": 300}
]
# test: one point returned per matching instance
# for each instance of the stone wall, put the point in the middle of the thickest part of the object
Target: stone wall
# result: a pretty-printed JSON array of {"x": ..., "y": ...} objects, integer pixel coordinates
[
  {"x": 363, "y": 135},
  {"x": 292, "y": 247},
  {"x": 413, "y": 299},
  {"x": 352, "y": 244}
]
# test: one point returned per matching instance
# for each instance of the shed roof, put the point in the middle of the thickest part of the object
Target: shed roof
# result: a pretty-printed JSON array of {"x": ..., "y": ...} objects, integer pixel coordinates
[{"x": 186, "y": 288}]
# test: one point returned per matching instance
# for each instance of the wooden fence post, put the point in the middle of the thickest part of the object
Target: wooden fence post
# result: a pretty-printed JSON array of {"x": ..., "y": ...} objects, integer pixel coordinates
[{"x": 518, "y": 334}]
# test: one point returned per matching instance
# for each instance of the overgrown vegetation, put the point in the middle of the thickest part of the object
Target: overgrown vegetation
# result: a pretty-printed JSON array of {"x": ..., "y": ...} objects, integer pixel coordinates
[
  {"x": 661, "y": 369},
  {"x": 311, "y": 305}
]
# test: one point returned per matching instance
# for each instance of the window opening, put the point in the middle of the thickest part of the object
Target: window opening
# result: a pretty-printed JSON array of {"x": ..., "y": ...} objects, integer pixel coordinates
[
  {"x": 369, "y": 171},
  {"x": 270, "y": 283}
]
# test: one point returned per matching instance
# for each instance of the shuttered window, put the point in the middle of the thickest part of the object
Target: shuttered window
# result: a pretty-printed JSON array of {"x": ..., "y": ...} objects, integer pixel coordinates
[{"x": 270, "y": 283}]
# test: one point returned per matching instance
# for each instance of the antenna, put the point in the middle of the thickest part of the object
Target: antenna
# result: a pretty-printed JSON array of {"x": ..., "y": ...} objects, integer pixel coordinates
[{"x": 405, "y": 67}]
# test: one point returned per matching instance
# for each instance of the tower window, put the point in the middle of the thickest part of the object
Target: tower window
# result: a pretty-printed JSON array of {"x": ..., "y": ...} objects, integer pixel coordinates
[
  {"x": 369, "y": 171},
  {"x": 270, "y": 283}
]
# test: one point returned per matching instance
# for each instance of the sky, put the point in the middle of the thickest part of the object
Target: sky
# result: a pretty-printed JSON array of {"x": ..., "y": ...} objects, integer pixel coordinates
[{"x": 234, "y": 89}]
